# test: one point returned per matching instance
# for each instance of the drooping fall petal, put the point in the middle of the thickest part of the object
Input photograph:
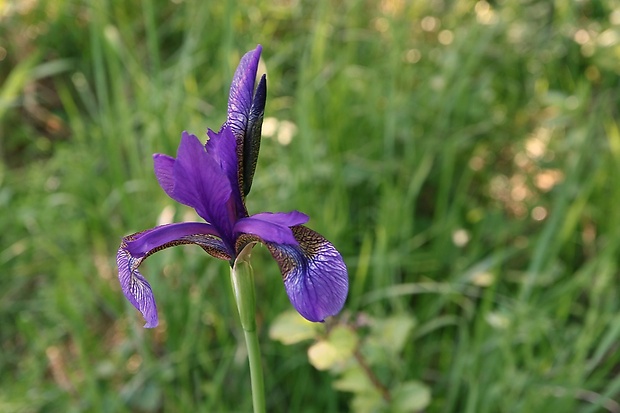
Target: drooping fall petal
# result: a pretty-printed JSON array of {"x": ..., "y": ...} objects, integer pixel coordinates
[
  {"x": 135, "y": 287},
  {"x": 137, "y": 247},
  {"x": 314, "y": 274},
  {"x": 142, "y": 244}
]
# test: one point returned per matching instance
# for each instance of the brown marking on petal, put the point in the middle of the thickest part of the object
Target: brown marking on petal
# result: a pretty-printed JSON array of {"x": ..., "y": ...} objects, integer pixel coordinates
[
  {"x": 285, "y": 262},
  {"x": 239, "y": 138},
  {"x": 197, "y": 239},
  {"x": 134, "y": 262},
  {"x": 252, "y": 137},
  {"x": 244, "y": 239},
  {"x": 211, "y": 249},
  {"x": 132, "y": 237},
  {"x": 310, "y": 244}
]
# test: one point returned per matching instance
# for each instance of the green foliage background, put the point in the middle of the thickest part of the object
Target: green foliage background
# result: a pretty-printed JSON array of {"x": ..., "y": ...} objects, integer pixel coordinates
[{"x": 464, "y": 157}]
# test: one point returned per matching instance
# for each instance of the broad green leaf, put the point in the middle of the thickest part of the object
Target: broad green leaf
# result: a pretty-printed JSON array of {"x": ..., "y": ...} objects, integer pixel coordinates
[
  {"x": 354, "y": 380},
  {"x": 337, "y": 348},
  {"x": 368, "y": 402},
  {"x": 411, "y": 396},
  {"x": 344, "y": 339},
  {"x": 290, "y": 328},
  {"x": 323, "y": 355}
]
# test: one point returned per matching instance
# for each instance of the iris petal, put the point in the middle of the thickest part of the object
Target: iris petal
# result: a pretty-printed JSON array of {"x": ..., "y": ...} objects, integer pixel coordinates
[
  {"x": 242, "y": 92},
  {"x": 314, "y": 274},
  {"x": 251, "y": 140},
  {"x": 221, "y": 147},
  {"x": 164, "y": 171},
  {"x": 147, "y": 242},
  {"x": 200, "y": 182},
  {"x": 245, "y": 115},
  {"x": 272, "y": 227},
  {"x": 137, "y": 247},
  {"x": 135, "y": 287},
  {"x": 290, "y": 219}
]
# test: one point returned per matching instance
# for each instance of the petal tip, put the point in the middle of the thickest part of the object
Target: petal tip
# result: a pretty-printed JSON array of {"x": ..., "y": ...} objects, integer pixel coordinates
[{"x": 135, "y": 287}]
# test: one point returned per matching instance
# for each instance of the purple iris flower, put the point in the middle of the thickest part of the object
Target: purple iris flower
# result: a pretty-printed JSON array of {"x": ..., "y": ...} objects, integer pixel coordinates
[{"x": 214, "y": 179}]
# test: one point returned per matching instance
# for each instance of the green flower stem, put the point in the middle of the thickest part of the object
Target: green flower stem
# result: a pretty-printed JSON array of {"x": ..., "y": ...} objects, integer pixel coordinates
[{"x": 242, "y": 277}]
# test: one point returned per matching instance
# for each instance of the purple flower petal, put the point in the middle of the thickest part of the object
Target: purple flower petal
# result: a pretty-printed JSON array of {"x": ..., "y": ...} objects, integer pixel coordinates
[
  {"x": 242, "y": 92},
  {"x": 272, "y": 227},
  {"x": 200, "y": 182},
  {"x": 314, "y": 274},
  {"x": 245, "y": 115},
  {"x": 135, "y": 287},
  {"x": 252, "y": 138},
  {"x": 221, "y": 147},
  {"x": 164, "y": 171},
  {"x": 137, "y": 247},
  {"x": 289, "y": 219},
  {"x": 145, "y": 243}
]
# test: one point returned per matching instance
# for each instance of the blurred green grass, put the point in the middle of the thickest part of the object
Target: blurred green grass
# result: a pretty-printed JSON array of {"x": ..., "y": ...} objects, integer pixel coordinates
[{"x": 463, "y": 156}]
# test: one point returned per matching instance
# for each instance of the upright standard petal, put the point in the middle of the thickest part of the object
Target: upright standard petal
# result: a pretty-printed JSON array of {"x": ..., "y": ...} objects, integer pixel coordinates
[
  {"x": 251, "y": 140},
  {"x": 245, "y": 115},
  {"x": 314, "y": 274},
  {"x": 200, "y": 182},
  {"x": 221, "y": 147},
  {"x": 164, "y": 172},
  {"x": 242, "y": 92}
]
